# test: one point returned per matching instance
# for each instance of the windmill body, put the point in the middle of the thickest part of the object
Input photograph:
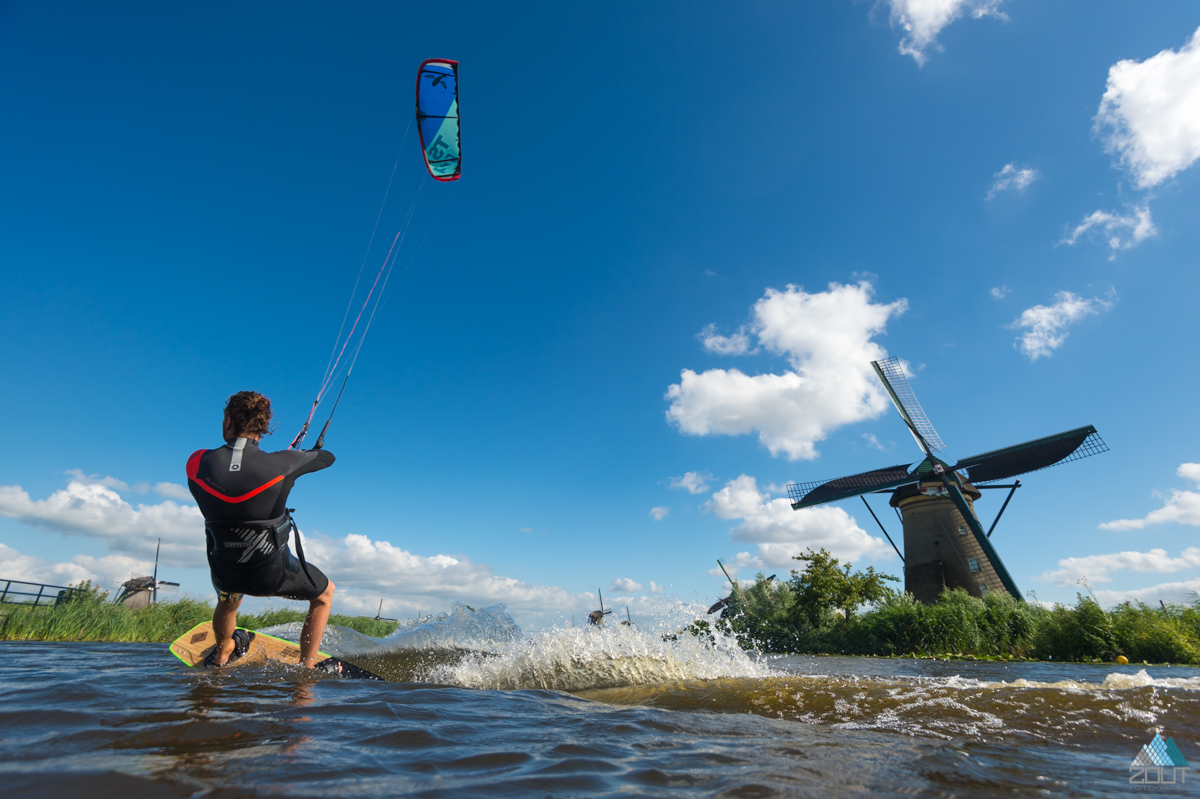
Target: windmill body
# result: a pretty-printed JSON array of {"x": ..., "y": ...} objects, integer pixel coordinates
[{"x": 945, "y": 545}]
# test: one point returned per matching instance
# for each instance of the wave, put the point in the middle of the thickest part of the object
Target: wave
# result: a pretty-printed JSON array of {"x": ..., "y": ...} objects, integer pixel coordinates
[{"x": 486, "y": 649}]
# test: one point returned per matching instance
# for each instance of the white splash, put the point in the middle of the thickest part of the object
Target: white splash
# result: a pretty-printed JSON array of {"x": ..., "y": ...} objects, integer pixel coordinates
[{"x": 498, "y": 656}]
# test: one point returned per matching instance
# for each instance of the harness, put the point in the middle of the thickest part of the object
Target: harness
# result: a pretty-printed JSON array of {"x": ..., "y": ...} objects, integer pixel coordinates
[{"x": 251, "y": 544}]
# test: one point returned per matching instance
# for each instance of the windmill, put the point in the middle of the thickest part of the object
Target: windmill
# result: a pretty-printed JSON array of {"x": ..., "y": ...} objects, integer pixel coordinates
[
  {"x": 140, "y": 592},
  {"x": 597, "y": 616},
  {"x": 945, "y": 545}
]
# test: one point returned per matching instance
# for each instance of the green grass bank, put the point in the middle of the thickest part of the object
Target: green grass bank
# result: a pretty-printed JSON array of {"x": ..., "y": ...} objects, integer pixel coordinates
[
  {"x": 816, "y": 613},
  {"x": 91, "y": 617}
]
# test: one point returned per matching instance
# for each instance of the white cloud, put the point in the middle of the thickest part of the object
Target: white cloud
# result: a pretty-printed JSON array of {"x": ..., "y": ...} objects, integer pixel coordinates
[
  {"x": 873, "y": 442},
  {"x": 923, "y": 20},
  {"x": 108, "y": 572},
  {"x": 1099, "y": 568},
  {"x": 655, "y": 588},
  {"x": 1179, "y": 593},
  {"x": 782, "y": 533},
  {"x": 94, "y": 479},
  {"x": 1150, "y": 113},
  {"x": 95, "y": 510},
  {"x": 826, "y": 338},
  {"x": 737, "y": 344},
  {"x": 1046, "y": 325},
  {"x": 1012, "y": 178},
  {"x": 692, "y": 482},
  {"x": 1182, "y": 507},
  {"x": 17, "y": 566},
  {"x": 359, "y": 562},
  {"x": 659, "y": 513},
  {"x": 173, "y": 491},
  {"x": 1124, "y": 231},
  {"x": 1000, "y": 292},
  {"x": 623, "y": 585}
]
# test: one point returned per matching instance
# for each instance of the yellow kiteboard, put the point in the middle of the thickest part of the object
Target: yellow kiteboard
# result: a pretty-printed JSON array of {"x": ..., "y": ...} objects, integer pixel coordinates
[{"x": 197, "y": 643}]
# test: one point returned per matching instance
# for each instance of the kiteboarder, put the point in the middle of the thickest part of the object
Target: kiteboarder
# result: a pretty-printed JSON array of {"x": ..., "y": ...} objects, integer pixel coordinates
[{"x": 243, "y": 492}]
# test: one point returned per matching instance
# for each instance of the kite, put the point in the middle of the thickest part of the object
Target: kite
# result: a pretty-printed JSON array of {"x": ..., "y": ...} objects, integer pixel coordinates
[{"x": 437, "y": 118}]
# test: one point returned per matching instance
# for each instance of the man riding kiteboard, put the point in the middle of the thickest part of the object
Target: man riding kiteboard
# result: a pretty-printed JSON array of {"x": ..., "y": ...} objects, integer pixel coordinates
[{"x": 242, "y": 492}]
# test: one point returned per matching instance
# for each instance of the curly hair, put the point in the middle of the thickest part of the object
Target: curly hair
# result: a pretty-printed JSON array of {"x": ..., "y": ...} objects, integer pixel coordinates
[{"x": 249, "y": 412}]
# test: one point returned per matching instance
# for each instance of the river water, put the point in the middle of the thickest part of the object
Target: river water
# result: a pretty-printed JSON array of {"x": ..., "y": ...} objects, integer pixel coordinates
[{"x": 474, "y": 708}]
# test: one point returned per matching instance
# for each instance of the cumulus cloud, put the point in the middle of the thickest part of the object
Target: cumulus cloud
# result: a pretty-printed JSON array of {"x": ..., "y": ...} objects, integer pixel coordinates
[
  {"x": 1046, "y": 326},
  {"x": 923, "y": 20},
  {"x": 1177, "y": 593},
  {"x": 1099, "y": 568},
  {"x": 109, "y": 571},
  {"x": 1123, "y": 231},
  {"x": 623, "y": 585},
  {"x": 173, "y": 491},
  {"x": 357, "y": 561},
  {"x": 95, "y": 510},
  {"x": 692, "y": 482},
  {"x": 999, "y": 292},
  {"x": 1012, "y": 178},
  {"x": 659, "y": 513},
  {"x": 782, "y": 533},
  {"x": 1182, "y": 507},
  {"x": 655, "y": 588},
  {"x": 737, "y": 344},
  {"x": 1149, "y": 116},
  {"x": 826, "y": 338}
]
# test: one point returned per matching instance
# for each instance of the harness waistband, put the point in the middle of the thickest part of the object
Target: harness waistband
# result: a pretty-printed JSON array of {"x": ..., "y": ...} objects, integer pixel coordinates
[
  {"x": 248, "y": 543},
  {"x": 252, "y": 543}
]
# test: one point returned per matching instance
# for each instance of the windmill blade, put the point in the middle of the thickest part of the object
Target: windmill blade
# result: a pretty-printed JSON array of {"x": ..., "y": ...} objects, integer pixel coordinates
[
  {"x": 1000, "y": 464},
  {"x": 892, "y": 375},
  {"x": 821, "y": 491}
]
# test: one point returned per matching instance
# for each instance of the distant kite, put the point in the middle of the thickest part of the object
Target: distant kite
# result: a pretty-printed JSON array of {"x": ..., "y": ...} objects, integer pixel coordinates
[{"x": 437, "y": 118}]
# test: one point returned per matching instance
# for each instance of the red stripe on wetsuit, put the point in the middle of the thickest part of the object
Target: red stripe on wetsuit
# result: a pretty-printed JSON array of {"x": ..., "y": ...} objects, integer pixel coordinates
[{"x": 193, "y": 467}]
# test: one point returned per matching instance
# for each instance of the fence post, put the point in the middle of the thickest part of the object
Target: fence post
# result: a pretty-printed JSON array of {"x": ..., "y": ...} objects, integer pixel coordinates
[
  {"x": 38, "y": 599},
  {"x": 7, "y": 583}
]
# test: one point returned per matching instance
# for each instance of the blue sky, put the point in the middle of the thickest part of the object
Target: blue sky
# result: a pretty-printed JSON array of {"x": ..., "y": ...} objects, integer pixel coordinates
[{"x": 653, "y": 196}]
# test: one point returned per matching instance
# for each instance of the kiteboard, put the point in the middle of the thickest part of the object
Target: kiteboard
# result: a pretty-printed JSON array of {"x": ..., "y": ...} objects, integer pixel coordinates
[{"x": 197, "y": 643}]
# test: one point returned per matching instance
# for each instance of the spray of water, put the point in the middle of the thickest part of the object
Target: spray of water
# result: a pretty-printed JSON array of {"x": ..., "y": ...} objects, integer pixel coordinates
[{"x": 486, "y": 649}]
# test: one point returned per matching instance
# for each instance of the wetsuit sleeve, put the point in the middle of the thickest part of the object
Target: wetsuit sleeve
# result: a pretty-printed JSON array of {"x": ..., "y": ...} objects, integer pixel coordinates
[{"x": 314, "y": 460}]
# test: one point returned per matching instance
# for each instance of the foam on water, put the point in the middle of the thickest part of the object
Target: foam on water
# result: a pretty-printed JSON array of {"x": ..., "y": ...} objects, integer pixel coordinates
[
  {"x": 585, "y": 658},
  {"x": 486, "y": 649},
  {"x": 1116, "y": 681}
]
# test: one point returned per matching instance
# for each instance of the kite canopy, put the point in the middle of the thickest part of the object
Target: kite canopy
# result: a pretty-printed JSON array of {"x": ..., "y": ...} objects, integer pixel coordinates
[{"x": 437, "y": 117}]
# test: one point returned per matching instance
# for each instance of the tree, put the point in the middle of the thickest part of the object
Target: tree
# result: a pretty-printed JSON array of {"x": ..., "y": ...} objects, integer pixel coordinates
[{"x": 825, "y": 584}]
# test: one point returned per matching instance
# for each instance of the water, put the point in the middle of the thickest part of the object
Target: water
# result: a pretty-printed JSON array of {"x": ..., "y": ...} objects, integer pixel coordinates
[{"x": 476, "y": 708}]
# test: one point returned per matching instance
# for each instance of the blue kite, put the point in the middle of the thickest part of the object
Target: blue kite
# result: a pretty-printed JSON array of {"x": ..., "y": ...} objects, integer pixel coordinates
[{"x": 437, "y": 118}]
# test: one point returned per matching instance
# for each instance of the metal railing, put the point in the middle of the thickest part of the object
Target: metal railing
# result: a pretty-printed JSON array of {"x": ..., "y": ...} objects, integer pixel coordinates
[{"x": 47, "y": 593}]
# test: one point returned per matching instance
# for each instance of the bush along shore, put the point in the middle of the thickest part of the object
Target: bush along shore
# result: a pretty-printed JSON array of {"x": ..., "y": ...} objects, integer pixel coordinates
[
  {"x": 89, "y": 616},
  {"x": 819, "y": 611}
]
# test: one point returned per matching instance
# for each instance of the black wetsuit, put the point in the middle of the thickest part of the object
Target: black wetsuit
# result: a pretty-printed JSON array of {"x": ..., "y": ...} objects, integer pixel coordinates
[{"x": 242, "y": 492}]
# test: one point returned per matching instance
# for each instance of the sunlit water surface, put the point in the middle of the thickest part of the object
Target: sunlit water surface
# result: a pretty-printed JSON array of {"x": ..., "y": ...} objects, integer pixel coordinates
[{"x": 475, "y": 708}]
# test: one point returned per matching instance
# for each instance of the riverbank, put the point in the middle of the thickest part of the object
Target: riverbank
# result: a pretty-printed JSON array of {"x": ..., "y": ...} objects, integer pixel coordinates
[
  {"x": 765, "y": 616},
  {"x": 92, "y": 618}
]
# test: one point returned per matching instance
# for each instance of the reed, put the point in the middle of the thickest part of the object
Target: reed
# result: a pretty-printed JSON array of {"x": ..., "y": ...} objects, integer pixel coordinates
[
  {"x": 995, "y": 626},
  {"x": 90, "y": 617}
]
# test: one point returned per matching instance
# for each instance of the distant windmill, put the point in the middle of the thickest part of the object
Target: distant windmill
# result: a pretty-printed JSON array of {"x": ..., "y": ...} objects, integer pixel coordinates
[
  {"x": 597, "y": 616},
  {"x": 945, "y": 545},
  {"x": 141, "y": 592}
]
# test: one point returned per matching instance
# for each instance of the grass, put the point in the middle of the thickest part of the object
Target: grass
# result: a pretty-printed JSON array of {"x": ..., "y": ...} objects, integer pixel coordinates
[
  {"x": 959, "y": 625},
  {"x": 90, "y": 617}
]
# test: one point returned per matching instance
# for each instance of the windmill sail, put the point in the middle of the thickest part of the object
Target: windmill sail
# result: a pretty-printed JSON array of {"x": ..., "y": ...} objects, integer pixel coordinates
[
  {"x": 1031, "y": 456},
  {"x": 815, "y": 493},
  {"x": 892, "y": 375}
]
